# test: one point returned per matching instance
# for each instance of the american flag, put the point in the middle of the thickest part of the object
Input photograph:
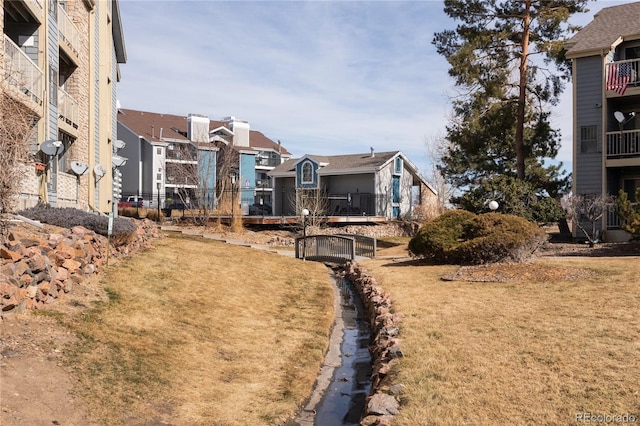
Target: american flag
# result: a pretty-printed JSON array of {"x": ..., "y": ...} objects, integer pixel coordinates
[{"x": 619, "y": 77}]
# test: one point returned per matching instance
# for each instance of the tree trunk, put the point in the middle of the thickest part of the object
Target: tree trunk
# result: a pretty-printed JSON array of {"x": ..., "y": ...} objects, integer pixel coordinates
[{"x": 522, "y": 96}]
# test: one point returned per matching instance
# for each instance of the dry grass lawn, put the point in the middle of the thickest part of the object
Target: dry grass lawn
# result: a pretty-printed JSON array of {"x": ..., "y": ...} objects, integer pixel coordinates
[
  {"x": 524, "y": 352},
  {"x": 201, "y": 332}
]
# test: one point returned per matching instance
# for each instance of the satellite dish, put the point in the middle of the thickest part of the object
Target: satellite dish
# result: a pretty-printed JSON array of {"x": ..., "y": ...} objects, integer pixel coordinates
[
  {"x": 79, "y": 168},
  {"x": 119, "y": 144},
  {"x": 52, "y": 147},
  {"x": 117, "y": 161},
  {"x": 99, "y": 170},
  {"x": 619, "y": 116}
]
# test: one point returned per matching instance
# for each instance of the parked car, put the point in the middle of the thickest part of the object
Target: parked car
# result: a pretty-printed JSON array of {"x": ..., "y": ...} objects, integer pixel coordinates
[
  {"x": 260, "y": 210},
  {"x": 135, "y": 201}
]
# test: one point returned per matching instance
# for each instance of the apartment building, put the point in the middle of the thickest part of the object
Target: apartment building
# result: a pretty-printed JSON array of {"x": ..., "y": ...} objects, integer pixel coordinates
[
  {"x": 193, "y": 158},
  {"x": 60, "y": 59},
  {"x": 605, "y": 57}
]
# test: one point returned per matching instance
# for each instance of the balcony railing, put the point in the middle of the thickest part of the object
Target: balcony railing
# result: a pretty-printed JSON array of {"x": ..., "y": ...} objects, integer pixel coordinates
[
  {"x": 623, "y": 144},
  {"x": 621, "y": 74},
  {"x": 68, "y": 30},
  {"x": 67, "y": 108},
  {"x": 267, "y": 162},
  {"x": 21, "y": 71},
  {"x": 263, "y": 184}
]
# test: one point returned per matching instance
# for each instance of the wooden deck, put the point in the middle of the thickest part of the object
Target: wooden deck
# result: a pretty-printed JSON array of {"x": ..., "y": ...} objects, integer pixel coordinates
[{"x": 280, "y": 220}]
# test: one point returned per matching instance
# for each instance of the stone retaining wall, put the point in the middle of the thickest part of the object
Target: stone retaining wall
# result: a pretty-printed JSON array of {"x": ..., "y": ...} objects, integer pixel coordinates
[
  {"x": 382, "y": 404},
  {"x": 38, "y": 267}
]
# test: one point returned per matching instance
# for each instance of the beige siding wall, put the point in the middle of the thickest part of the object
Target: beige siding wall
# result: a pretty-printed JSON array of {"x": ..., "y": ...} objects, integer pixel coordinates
[{"x": 91, "y": 85}]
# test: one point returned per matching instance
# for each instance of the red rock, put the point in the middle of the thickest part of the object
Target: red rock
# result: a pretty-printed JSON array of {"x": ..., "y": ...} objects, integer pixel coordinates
[
  {"x": 71, "y": 265},
  {"x": 5, "y": 253}
]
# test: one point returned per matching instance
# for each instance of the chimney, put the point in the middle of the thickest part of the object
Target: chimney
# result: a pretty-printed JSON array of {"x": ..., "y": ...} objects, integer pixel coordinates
[
  {"x": 279, "y": 147},
  {"x": 160, "y": 137},
  {"x": 240, "y": 131},
  {"x": 198, "y": 128},
  {"x": 372, "y": 153}
]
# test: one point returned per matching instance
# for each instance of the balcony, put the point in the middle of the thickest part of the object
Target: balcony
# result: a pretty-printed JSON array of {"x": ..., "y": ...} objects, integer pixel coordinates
[
  {"x": 69, "y": 33},
  {"x": 267, "y": 162},
  {"x": 623, "y": 77},
  {"x": 21, "y": 71},
  {"x": 263, "y": 184},
  {"x": 67, "y": 108},
  {"x": 623, "y": 144}
]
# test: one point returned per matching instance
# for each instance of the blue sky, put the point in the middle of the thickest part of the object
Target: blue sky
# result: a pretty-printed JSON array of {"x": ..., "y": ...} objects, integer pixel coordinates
[{"x": 323, "y": 77}]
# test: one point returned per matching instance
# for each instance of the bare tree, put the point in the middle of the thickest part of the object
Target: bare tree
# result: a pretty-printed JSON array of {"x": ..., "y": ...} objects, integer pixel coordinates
[
  {"x": 191, "y": 167},
  {"x": 314, "y": 200},
  {"x": 16, "y": 129},
  {"x": 436, "y": 147},
  {"x": 587, "y": 208}
]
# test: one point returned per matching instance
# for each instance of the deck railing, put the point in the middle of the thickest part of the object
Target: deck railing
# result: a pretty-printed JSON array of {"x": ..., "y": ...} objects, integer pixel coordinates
[
  {"x": 623, "y": 144},
  {"x": 21, "y": 71},
  {"x": 67, "y": 108},
  {"x": 68, "y": 30},
  {"x": 619, "y": 71}
]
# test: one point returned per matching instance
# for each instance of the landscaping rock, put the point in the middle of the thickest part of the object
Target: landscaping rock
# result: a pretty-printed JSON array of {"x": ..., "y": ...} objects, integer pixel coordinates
[{"x": 36, "y": 269}]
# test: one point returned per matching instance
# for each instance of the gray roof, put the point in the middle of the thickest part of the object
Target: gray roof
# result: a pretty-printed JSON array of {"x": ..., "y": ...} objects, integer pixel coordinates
[
  {"x": 340, "y": 162},
  {"x": 608, "y": 25},
  {"x": 351, "y": 164}
]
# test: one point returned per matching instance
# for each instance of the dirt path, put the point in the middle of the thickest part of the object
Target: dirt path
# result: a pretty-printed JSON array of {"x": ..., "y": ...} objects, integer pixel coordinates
[{"x": 35, "y": 388}]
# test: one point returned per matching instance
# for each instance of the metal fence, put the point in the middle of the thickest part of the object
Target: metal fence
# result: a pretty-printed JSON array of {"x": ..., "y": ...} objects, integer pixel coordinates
[
  {"x": 365, "y": 246},
  {"x": 326, "y": 248}
]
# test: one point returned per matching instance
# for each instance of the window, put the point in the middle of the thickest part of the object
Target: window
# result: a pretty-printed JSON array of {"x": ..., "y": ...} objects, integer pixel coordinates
[
  {"x": 53, "y": 9},
  {"x": 397, "y": 168},
  {"x": 307, "y": 172},
  {"x": 632, "y": 52},
  {"x": 588, "y": 139},
  {"x": 630, "y": 186},
  {"x": 53, "y": 80},
  {"x": 159, "y": 150}
]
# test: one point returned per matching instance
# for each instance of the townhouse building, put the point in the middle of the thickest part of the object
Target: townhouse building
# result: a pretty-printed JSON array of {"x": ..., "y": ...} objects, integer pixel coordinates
[
  {"x": 60, "y": 60},
  {"x": 373, "y": 185}
]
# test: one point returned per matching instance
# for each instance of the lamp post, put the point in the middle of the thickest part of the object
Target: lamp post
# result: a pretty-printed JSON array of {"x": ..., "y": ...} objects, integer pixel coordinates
[
  {"x": 159, "y": 185},
  {"x": 493, "y": 205},
  {"x": 233, "y": 201},
  {"x": 305, "y": 213}
]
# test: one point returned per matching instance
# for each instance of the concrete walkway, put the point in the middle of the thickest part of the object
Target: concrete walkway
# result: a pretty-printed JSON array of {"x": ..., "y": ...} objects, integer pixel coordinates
[{"x": 225, "y": 239}]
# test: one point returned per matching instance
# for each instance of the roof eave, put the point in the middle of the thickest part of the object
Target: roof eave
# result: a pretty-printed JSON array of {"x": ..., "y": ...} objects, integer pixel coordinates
[{"x": 118, "y": 34}]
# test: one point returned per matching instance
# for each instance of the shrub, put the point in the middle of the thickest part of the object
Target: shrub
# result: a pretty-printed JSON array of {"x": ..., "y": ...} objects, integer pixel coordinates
[
  {"x": 70, "y": 217},
  {"x": 495, "y": 237},
  {"x": 440, "y": 235},
  {"x": 463, "y": 237}
]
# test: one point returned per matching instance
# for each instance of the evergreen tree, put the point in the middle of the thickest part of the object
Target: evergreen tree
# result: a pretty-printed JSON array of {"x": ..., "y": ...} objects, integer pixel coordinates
[{"x": 501, "y": 125}]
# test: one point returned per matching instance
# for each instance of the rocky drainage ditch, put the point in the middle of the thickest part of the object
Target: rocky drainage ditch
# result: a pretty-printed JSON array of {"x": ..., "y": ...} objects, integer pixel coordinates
[{"x": 353, "y": 386}]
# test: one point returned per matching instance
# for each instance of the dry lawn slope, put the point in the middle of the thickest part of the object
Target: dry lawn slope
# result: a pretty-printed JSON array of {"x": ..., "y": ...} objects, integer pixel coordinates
[
  {"x": 201, "y": 332},
  {"x": 529, "y": 351}
]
